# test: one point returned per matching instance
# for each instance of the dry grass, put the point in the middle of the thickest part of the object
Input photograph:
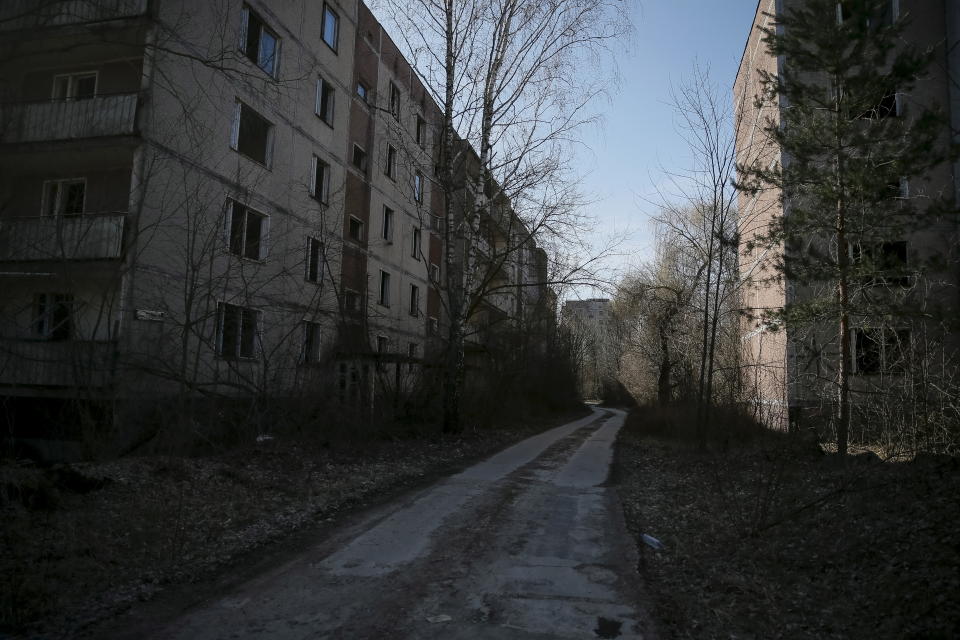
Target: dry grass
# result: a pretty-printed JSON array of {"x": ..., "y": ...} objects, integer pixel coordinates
[{"x": 770, "y": 538}]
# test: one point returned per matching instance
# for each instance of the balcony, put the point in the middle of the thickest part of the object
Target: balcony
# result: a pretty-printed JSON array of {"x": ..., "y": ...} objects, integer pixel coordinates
[
  {"x": 38, "y": 14},
  {"x": 50, "y": 120},
  {"x": 84, "y": 237},
  {"x": 71, "y": 363}
]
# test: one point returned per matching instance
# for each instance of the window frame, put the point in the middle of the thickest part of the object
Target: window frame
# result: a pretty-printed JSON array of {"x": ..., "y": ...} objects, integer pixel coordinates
[
  {"x": 314, "y": 254},
  {"x": 387, "y": 224},
  {"x": 325, "y": 91},
  {"x": 383, "y": 344},
  {"x": 383, "y": 298},
  {"x": 394, "y": 102},
  {"x": 44, "y": 325},
  {"x": 420, "y": 126},
  {"x": 359, "y": 223},
  {"x": 390, "y": 170},
  {"x": 887, "y": 335},
  {"x": 413, "y": 350},
  {"x": 323, "y": 196},
  {"x": 362, "y": 166},
  {"x": 363, "y": 91},
  {"x": 245, "y": 42},
  {"x": 418, "y": 187},
  {"x": 241, "y": 237},
  {"x": 336, "y": 28},
  {"x": 435, "y": 273},
  {"x": 235, "y": 134},
  {"x": 414, "y": 309},
  {"x": 58, "y": 198},
  {"x": 72, "y": 79},
  {"x": 312, "y": 348},
  {"x": 416, "y": 243},
  {"x": 243, "y": 314}
]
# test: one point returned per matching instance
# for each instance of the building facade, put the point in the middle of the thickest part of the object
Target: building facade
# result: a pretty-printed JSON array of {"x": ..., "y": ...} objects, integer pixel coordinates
[
  {"x": 787, "y": 370},
  {"x": 220, "y": 198}
]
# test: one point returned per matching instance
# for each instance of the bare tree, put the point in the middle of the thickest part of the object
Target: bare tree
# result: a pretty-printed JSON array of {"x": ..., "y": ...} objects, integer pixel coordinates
[{"x": 516, "y": 79}]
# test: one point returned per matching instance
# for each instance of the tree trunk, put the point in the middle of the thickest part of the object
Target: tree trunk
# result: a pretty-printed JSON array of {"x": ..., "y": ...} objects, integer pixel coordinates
[
  {"x": 664, "y": 380},
  {"x": 843, "y": 370}
]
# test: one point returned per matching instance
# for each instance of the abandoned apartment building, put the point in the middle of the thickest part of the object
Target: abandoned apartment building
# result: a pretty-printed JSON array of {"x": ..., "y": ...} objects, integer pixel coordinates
[
  {"x": 789, "y": 370},
  {"x": 224, "y": 198}
]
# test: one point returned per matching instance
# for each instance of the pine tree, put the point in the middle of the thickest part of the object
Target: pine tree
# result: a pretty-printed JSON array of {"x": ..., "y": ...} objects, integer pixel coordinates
[{"x": 850, "y": 139}]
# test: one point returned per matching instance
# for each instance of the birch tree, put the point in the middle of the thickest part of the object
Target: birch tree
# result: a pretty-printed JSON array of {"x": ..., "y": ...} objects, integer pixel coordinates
[{"x": 517, "y": 79}]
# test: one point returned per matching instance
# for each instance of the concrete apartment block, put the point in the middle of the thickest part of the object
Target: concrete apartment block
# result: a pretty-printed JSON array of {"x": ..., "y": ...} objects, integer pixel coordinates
[
  {"x": 790, "y": 374},
  {"x": 214, "y": 198}
]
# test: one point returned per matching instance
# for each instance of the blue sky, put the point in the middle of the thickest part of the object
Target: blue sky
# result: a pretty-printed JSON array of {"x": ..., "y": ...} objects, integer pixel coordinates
[{"x": 625, "y": 154}]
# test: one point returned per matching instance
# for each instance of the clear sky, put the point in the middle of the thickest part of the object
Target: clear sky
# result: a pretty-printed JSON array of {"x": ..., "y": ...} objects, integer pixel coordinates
[{"x": 627, "y": 153}]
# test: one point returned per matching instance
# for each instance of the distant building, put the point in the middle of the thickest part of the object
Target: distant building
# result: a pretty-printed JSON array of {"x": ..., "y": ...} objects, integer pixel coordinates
[{"x": 590, "y": 324}]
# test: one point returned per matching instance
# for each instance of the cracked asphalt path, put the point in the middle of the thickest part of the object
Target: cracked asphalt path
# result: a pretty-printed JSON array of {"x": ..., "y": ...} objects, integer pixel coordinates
[{"x": 529, "y": 543}]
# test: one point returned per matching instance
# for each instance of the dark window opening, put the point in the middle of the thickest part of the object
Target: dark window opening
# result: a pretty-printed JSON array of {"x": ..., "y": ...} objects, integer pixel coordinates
[
  {"x": 238, "y": 328},
  {"x": 53, "y": 316},
  {"x": 64, "y": 197},
  {"x": 394, "y": 101},
  {"x": 325, "y": 101},
  {"x": 312, "y": 336},
  {"x": 356, "y": 229},
  {"x": 387, "y": 230},
  {"x": 420, "y": 130},
  {"x": 247, "y": 232},
  {"x": 883, "y": 263},
  {"x": 314, "y": 254},
  {"x": 414, "y": 300},
  {"x": 321, "y": 180},
  {"x": 391, "y": 168},
  {"x": 881, "y": 350},
  {"x": 359, "y": 158},
  {"x": 252, "y": 134},
  {"x": 384, "y": 289}
]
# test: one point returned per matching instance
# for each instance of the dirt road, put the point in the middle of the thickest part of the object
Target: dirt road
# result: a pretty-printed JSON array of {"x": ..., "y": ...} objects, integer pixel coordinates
[{"x": 527, "y": 544}]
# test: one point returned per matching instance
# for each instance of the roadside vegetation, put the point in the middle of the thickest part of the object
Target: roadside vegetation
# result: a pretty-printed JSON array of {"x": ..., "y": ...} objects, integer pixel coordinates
[{"x": 766, "y": 536}]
